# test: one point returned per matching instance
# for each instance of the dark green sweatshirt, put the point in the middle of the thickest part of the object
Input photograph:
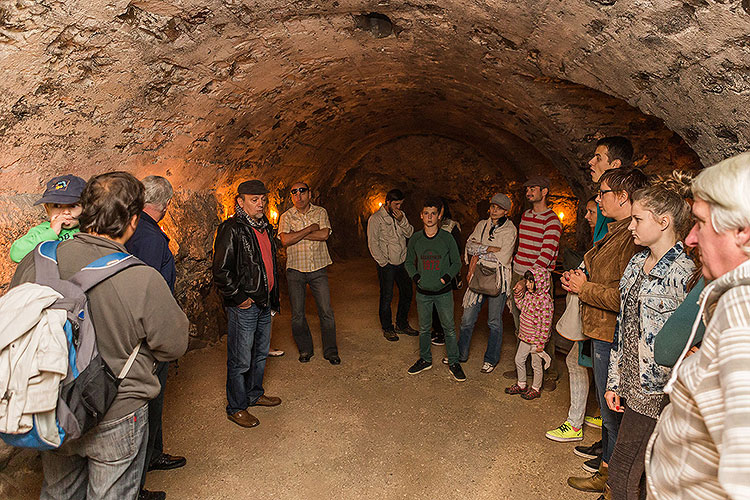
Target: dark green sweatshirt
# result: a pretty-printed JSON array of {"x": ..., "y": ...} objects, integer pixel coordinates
[{"x": 430, "y": 259}]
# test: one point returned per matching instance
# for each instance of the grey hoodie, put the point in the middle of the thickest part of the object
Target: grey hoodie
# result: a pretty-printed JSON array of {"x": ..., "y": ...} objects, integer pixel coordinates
[{"x": 132, "y": 306}]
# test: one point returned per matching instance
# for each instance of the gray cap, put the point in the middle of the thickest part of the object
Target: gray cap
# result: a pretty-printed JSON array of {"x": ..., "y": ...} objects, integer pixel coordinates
[
  {"x": 501, "y": 200},
  {"x": 252, "y": 187}
]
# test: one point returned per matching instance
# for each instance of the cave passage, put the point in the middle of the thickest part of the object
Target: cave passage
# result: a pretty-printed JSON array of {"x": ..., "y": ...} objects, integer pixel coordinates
[{"x": 454, "y": 98}]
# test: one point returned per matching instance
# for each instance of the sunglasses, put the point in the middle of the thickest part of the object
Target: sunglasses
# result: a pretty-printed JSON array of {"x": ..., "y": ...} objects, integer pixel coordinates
[{"x": 299, "y": 190}]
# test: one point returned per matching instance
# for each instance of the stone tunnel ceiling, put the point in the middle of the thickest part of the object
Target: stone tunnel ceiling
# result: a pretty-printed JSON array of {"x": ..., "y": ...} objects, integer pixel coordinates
[{"x": 209, "y": 93}]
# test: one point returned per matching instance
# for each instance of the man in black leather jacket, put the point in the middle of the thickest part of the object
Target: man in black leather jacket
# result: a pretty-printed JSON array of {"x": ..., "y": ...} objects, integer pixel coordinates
[{"x": 246, "y": 276}]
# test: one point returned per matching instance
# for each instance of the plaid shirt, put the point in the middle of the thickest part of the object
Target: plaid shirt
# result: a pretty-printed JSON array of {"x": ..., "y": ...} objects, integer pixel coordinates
[
  {"x": 305, "y": 256},
  {"x": 701, "y": 445}
]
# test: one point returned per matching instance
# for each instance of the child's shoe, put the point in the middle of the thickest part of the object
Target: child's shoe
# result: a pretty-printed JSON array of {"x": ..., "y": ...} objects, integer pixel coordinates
[
  {"x": 515, "y": 389},
  {"x": 531, "y": 394}
]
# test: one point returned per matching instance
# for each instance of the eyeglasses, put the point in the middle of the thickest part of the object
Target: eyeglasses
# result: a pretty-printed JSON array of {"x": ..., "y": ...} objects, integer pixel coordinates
[
  {"x": 299, "y": 190},
  {"x": 602, "y": 193}
]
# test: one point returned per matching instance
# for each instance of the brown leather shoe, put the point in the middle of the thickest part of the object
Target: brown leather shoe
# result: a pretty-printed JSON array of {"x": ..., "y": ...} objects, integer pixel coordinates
[
  {"x": 243, "y": 419},
  {"x": 268, "y": 401},
  {"x": 595, "y": 483}
]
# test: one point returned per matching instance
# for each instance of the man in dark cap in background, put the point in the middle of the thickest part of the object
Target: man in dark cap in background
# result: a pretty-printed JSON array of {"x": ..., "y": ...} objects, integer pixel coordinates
[{"x": 245, "y": 273}]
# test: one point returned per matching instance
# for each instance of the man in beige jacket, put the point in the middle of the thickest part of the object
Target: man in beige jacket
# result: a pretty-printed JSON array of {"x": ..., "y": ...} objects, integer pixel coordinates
[{"x": 387, "y": 232}]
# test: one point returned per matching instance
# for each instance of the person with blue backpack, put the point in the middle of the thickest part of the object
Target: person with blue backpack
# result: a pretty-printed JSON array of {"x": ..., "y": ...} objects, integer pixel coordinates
[{"x": 137, "y": 323}]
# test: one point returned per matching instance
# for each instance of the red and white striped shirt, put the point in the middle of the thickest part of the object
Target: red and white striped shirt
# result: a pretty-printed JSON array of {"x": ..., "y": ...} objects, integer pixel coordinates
[{"x": 538, "y": 241}]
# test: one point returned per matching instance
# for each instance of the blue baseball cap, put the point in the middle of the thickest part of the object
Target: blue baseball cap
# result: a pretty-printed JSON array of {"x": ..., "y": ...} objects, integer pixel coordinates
[{"x": 64, "y": 189}]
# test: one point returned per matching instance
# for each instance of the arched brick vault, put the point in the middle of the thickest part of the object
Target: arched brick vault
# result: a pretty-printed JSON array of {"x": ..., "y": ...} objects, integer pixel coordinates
[{"x": 210, "y": 92}]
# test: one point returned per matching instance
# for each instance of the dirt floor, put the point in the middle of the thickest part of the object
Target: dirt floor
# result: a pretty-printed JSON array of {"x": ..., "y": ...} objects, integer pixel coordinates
[{"x": 364, "y": 429}]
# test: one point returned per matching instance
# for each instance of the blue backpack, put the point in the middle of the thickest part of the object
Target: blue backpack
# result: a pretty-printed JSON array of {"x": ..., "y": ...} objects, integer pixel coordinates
[{"x": 89, "y": 388}]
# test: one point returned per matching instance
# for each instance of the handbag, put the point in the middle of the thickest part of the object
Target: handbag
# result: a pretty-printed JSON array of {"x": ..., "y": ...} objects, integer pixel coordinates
[
  {"x": 570, "y": 325},
  {"x": 484, "y": 280}
]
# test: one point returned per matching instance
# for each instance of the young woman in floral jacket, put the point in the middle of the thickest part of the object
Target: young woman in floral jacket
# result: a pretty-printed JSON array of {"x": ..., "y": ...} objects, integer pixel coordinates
[{"x": 652, "y": 287}]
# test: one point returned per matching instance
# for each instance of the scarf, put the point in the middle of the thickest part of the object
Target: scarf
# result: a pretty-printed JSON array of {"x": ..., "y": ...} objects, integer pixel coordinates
[
  {"x": 500, "y": 222},
  {"x": 261, "y": 225}
]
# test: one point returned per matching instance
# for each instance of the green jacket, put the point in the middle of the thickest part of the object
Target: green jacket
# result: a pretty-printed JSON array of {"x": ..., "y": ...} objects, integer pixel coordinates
[
  {"x": 36, "y": 235},
  {"x": 673, "y": 336},
  {"x": 428, "y": 260}
]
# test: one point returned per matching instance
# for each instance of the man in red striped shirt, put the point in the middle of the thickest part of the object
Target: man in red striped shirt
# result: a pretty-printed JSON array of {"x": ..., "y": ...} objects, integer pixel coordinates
[{"x": 538, "y": 242}]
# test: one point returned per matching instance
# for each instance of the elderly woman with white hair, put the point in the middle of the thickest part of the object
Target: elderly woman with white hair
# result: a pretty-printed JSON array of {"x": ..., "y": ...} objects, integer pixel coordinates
[{"x": 700, "y": 447}]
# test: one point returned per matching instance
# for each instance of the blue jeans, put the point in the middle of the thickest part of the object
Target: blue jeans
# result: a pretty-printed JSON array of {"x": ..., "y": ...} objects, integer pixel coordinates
[
  {"x": 105, "y": 463},
  {"x": 248, "y": 340},
  {"x": 610, "y": 419},
  {"x": 318, "y": 281},
  {"x": 495, "y": 307}
]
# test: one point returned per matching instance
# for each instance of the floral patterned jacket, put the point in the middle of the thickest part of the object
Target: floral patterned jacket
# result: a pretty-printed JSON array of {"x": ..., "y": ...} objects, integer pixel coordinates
[{"x": 661, "y": 292}]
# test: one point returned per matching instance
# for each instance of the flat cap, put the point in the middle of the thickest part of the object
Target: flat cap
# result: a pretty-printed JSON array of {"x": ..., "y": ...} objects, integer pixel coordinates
[
  {"x": 537, "y": 180},
  {"x": 501, "y": 200},
  {"x": 252, "y": 187}
]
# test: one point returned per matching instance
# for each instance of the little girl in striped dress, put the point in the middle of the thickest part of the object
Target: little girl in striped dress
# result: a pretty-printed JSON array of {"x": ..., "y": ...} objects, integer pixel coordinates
[{"x": 536, "y": 308}]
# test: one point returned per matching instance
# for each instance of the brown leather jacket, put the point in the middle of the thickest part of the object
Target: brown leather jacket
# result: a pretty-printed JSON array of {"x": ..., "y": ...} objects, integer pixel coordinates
[{"x": 600, "y": 295}]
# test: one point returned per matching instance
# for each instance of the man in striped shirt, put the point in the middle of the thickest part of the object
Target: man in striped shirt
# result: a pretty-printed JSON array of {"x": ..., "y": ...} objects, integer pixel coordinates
[
  {"x": 700, "y": 447},
  {"x": 538, "y": 243}
]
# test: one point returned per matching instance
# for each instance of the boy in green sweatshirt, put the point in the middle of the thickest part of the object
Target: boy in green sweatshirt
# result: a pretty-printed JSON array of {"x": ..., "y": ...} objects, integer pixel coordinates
[
  {"x": 432, "y": 261},
  {"x": 61, "y": 201}
]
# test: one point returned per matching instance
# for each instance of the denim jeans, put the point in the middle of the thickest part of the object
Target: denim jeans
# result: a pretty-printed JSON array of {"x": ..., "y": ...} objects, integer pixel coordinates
[
  {"x": 610, "y": 419},
  {"x": 495, "y": 307},
  {"x": 318, "y": 281},
  {"x": 155, "y": 443},
  {"x": 388, "y": 275},
  {"x": 105, "y": 463},
  {"x": 248, "y": 340},
  {"x": 444, "y": 305}
]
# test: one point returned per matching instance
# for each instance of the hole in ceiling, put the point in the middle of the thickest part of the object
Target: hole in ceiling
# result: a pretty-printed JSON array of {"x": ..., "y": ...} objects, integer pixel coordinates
[{"x": 379, "y": 25}]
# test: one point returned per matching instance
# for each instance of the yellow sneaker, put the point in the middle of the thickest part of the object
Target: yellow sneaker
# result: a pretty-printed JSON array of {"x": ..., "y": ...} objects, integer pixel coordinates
[
  {"x": 565, "y": 433},
  {"x": 593, "y": 421}
]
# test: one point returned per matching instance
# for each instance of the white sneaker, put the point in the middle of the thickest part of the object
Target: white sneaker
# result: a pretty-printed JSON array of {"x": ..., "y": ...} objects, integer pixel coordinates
[{"x": 487, "y": 367}]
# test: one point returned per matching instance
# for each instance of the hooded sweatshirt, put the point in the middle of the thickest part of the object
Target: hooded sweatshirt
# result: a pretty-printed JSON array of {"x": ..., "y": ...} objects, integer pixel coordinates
[{"x": 536, "y": 310}]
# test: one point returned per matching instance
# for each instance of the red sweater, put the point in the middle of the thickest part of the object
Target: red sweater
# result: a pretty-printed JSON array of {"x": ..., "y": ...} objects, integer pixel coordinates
[{"x": 538, "y": 241}]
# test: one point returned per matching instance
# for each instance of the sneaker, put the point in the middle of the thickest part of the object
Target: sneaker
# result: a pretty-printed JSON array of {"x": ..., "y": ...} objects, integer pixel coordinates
[
  {"x": 407, "y": 330},
  {"x": 593, "y": 451},
  {"x": 565, "y": 433},
  {"x": 457, "y": 372},
  {"x": 390, "y": 335},
  {"x": 531, "y": 394},
  {"x": 592, "y": 465},
  {"x": 510, "y": 374},
  {"x": 515, "y": 389},
  {"x": 438, "y": 339},
  {"x": 420, "y": 366},
  {"x": 593, "y": 421},
  {"x": 487, "y": 367},
  {"x": 275, "y": 353},
  {"x": 445, "y": 360}
]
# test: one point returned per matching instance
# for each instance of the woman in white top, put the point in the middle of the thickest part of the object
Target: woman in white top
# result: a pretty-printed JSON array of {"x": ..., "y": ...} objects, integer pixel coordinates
[{"x": 491, "y": 246}]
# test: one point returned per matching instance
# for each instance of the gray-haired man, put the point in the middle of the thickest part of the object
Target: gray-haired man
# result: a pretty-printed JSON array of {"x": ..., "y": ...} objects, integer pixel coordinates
[{"x": 151, "y": 245}]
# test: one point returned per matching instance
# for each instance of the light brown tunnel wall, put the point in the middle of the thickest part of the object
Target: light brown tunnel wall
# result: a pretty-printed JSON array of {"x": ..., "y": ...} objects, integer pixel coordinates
[{"x": 209, "y": 93}]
